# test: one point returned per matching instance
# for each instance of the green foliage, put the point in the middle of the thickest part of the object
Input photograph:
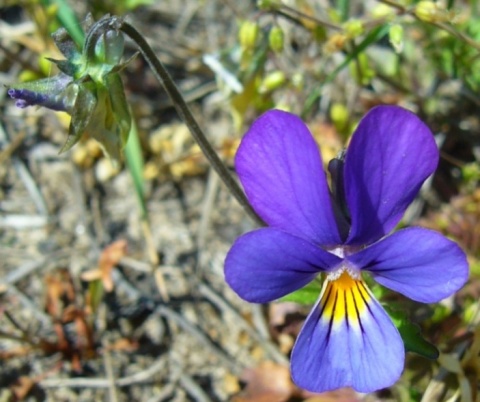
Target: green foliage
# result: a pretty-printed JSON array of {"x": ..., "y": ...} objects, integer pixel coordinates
[
  {"x": 307, "y": 295},
  {"x": 411, "y": 335},
  {"x": 67, "y": 19}
]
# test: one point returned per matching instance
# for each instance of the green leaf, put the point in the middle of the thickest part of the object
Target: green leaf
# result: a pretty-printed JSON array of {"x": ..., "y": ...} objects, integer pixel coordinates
[
  {"x": 67, "y": 18},
  {"x": 410, "y": 333},
  {"x": 306, "y": 295},
  {"x": 95, "y": 292}
]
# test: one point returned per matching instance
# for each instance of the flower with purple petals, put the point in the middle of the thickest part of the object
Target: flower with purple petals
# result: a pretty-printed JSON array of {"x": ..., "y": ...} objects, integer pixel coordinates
[{"x": 347, "y": 339}]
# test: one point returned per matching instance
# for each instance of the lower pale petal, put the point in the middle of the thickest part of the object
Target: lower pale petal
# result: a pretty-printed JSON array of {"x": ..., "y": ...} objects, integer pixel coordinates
[
  {"x": 347, "y": 341},
  {"x": 267, "y": 264},
  {"x": 420, "y": 263}
]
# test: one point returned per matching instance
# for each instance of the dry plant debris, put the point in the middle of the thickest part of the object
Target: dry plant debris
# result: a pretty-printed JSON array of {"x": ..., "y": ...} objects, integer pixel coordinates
[{"x": 88, "y": 313}]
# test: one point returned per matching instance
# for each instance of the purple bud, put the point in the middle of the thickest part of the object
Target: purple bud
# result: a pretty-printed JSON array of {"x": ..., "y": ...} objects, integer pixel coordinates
[
  {"x": 26, "y": 98},
  {"x": 51, "y": 93}
]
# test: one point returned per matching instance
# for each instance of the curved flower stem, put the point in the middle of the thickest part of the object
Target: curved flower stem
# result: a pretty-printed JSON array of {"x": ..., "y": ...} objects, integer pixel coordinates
[{"x": 162, "y": 75}]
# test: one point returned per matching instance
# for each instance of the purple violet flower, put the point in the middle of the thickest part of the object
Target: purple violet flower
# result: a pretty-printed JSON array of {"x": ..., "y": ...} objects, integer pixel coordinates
[{"x": 347, "y": 339}]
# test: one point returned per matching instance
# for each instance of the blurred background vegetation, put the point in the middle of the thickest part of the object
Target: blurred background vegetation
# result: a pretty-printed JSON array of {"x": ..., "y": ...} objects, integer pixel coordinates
[{"x": 328, "y": 61}]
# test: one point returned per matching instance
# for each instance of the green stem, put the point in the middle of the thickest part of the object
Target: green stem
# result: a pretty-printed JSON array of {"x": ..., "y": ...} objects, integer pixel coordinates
[{"x": 162, "y": 75}]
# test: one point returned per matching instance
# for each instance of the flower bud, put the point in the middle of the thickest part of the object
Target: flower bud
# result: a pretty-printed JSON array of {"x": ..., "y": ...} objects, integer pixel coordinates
[
  {"x": 272, "y": 81},
  {"x": 49, "y": 92},
  {"x": 339, "y": 116},
  {"x": 395, "y": 35},
  {"x": 427, "y": 11},
  {"x": 109, "y": 48},
  {"x": 382, "y": 11},
  {"x": 89, "y": 88},
  {"x": 248, "y": 34},
  {"x": 353, "y": 28},
  {"x": 276, "y": 39}
]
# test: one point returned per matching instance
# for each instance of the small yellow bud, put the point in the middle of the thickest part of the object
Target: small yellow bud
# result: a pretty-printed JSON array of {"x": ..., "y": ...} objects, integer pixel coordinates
[
  {"x": 339, "y": 116},
  {"x": 276, "y": 39},
  {"x": 383, "y": 11},
  {"x": 248, "y": 34},
  {"x": 353, "y": 28},
  {"x": 395, "y": 35},
  {"x": 427, "y": 11},
  {"x": 272, "y": 81}
]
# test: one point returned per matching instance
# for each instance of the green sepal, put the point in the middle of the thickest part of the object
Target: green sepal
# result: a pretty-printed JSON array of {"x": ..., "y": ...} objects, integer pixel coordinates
[
  {"x": 65, "y": 44},
  {"x": 64, "y": 66},
  {"x": 109, "y": 48},
  {"x": 85, "y": 104},
  {"x": 119, "y": 106},
  {"x": 104, "y": 127},
  {"x": 411, "y": 335}
]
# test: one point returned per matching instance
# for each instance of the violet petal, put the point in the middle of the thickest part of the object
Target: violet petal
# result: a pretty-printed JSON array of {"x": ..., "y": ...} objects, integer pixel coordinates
[
  {"x": 266, "y": 264},
  {"x": 390, "y": 155},
  {"x": 280, "y": 167},
  {"x": 419, "y": 263}
]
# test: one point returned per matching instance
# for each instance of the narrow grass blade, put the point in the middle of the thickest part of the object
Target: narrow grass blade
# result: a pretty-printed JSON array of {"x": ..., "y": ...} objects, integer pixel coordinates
[
  {"x": 135, "y": 163},
  {"x": 68, "y": 19}
]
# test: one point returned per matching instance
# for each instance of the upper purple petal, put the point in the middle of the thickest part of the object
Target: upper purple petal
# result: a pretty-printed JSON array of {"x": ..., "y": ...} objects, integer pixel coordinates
[
  {"x": 419, "y": 263},
  {"x": 391, "y": 154},
  {"x": 266, "y": 264},
  {"x": 280, "y": 167}
]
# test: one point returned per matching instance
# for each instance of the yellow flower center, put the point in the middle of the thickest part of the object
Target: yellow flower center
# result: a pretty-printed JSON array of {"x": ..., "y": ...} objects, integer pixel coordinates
[{"x": 344, "y": 298}]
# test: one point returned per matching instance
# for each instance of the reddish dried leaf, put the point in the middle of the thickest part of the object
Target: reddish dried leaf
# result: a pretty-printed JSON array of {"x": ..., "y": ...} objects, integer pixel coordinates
[
  {"x": 124, "y": 345},
  {"x": 269, "y": 382},
  {"x": 22, "y": 387},
  {"x": 60, "y": 292},
  {"x": 110, "y": 257},
  {"x": 279, "y": 312},
  {"x": 20, "y": 351},
  {"x": 85, "y": 341}
]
